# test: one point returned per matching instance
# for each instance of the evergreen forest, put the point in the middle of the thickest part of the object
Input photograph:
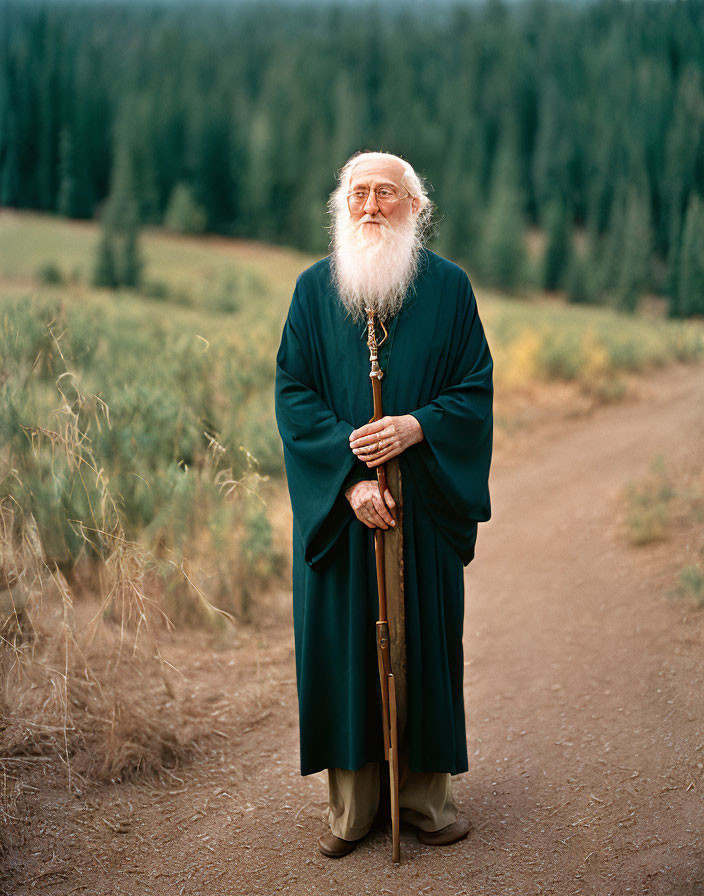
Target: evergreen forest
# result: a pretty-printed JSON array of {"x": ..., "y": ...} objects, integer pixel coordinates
[{"x": 583, "y": 123}]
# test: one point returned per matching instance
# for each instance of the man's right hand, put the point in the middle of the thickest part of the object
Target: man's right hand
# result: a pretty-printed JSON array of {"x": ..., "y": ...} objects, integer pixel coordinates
[{"x": 365, "y": 500}]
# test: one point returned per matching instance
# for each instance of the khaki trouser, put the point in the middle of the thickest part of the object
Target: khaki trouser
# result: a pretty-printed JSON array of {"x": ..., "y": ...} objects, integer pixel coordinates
[{"x": 425, "y": 800}]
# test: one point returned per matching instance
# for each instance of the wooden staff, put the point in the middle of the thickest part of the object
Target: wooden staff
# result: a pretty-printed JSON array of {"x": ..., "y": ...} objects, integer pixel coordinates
[{"x": 389, "y": 718}]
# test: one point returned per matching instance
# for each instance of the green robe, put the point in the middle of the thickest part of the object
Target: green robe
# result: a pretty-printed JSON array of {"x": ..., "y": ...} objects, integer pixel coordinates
[{"x": 438, "y": 367}]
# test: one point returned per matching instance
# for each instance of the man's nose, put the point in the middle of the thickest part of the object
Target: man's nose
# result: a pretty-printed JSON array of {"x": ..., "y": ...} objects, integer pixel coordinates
[{"x": 371, "y": 206}]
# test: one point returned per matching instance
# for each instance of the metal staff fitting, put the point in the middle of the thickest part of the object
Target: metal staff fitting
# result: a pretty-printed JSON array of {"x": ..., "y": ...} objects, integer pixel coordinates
[{"x": 389, "y": 717}]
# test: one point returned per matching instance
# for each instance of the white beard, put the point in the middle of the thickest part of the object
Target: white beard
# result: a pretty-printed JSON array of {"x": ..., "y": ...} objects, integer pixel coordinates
[{"x": 373, "y": 264}]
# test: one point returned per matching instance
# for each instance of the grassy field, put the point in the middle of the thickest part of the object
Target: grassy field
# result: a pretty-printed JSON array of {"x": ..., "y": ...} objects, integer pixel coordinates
[
  {"x": 141, "y": 469},
  {"x": 156, "y": 407}
]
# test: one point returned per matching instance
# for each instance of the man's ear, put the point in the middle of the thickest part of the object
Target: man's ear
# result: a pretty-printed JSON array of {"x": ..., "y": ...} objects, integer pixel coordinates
[{"x": 415, "y": 205}]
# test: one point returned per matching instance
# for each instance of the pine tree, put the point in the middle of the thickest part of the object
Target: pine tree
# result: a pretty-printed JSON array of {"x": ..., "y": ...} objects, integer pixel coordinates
[
  {"x": 75, "y": 196},
  {"x": 104, "y": 273},
  {"x": 577, "y": 280},
  {"x": 183, "y": 214},
  {"x": 684, "y": 145},
  {"x": 502, "y": 255},
  {"x": 131, "y": 272},
  {"x": 690, "y": 281},
  {"x": 10, "y": 151},
  {"x": 557, "y": 251},
  {"x": 581, "y": 284},
  {"x": 67, "y": 184},
  {"x": 635, "y": 240},
  {"x": 118, "y": 250},
  {"x": 265, "y": 99}
]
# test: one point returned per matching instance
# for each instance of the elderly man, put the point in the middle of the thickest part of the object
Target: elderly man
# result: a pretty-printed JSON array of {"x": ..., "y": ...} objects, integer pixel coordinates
[{"x": 437, "y": 429}]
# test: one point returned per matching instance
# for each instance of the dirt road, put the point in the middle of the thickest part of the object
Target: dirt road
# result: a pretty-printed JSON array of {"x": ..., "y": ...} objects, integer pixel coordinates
[{"x": 585, "y": 701}]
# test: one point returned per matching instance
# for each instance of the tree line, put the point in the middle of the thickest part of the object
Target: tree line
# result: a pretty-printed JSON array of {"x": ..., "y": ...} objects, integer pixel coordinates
[{"x": 585, "y": 121}]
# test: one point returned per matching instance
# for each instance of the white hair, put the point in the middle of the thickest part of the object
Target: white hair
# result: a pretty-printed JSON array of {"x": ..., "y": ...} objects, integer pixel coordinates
[{"x": 410, "y": 180}]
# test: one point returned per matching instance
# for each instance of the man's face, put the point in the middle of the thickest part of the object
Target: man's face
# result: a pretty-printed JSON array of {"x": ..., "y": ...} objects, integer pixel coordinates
[{"x": 374, "y": 175}]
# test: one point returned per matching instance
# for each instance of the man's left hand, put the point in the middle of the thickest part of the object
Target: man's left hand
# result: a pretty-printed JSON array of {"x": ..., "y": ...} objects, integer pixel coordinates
[{"x": 375, "y": 443}]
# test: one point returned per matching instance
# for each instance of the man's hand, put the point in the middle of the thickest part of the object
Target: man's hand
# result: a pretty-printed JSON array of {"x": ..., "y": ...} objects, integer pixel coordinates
[
  {"x": 365, "y": 500},
  {"x": 375, "y": 443}
]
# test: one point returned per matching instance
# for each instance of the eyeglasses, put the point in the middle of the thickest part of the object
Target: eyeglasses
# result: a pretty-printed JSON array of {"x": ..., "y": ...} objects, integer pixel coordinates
[{"x": 386, "y": 196}]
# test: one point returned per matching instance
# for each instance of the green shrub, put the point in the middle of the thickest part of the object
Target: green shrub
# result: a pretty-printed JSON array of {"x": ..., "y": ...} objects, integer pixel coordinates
[
  {"x": 50, "y": 274},
  {"x": 261, "y": 438},
  {"x": 686, "y": 344},
  {"x": 560, "y": 355},
  {"x": 648, "y": 513},
  {"x": 225, "y": 297},
  {"x": 262, "y": 562},
  {"x": 156, "y": 289},
  {"x": 690, "y": 583},
  {"x": 183, "y": 214},
  {"x": 105, "y": 268}
]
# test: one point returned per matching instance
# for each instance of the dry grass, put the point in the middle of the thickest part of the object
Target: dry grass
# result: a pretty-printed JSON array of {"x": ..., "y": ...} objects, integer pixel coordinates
[
  {"x": 84, "y": 687},
  {"x": 668, "y": 506},
  {"x": 10, "y": 817},
  {"x": 665, "y": 503},
  {"x": 649, "y": 506}
]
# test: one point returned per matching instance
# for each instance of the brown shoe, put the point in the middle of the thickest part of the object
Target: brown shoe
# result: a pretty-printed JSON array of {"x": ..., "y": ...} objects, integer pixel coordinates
[
  {"x": 335, "y": 847},
  {"x": 458, "y": 830}
]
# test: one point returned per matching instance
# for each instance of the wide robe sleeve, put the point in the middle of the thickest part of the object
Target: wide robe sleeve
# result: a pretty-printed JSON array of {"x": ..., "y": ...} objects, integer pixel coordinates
[
  {"x": 319, "y": 462},
  {"x": 451, "y": 465}
]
